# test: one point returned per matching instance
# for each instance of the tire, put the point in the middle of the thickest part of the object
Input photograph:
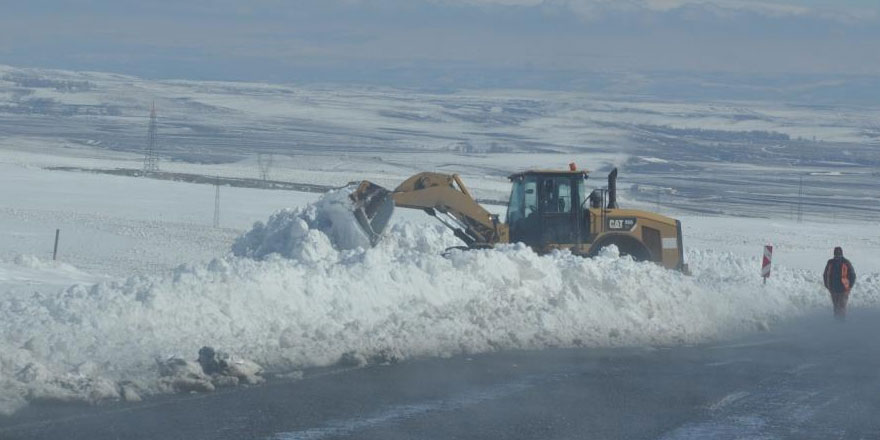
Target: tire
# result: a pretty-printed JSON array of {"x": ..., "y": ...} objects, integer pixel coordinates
[{"x": 626, "y": 244}]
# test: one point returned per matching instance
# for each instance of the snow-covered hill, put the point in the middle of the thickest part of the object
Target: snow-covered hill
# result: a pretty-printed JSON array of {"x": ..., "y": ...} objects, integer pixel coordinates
[{"x": 740, "y": 158}]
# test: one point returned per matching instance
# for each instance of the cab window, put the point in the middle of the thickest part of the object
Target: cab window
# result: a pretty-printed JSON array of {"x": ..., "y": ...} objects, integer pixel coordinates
[
  {"x": 523, "y": 199},
  {"x": 563, "y": 194},
  {"x": 556, "y": 195}
]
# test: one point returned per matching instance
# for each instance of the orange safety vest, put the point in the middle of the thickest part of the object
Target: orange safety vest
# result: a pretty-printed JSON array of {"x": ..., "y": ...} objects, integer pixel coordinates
[{"x": 845, "y": 270}]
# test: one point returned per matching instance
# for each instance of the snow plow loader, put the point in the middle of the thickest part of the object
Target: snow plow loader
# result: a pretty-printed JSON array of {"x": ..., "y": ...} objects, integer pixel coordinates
[{"x": 547, "y": 210}]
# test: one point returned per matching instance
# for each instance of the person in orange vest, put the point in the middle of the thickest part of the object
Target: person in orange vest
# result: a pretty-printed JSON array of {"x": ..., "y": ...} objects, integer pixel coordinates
[{"x": 839, "y": 277}]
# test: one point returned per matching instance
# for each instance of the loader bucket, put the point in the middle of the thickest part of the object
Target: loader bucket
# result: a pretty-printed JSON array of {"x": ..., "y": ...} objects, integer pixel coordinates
[{"x": 373, "y": 206}]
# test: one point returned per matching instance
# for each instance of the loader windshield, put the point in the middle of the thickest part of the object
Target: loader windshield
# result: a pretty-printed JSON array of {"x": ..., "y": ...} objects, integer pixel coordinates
[
  {"x": 582, "y": 191},
  {"x": 523, "y": 199}
]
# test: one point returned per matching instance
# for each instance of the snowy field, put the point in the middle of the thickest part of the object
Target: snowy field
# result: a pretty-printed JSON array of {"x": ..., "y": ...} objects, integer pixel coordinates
[
  {"x": 731, "y": 158},
  {"x": 143, "y": 275},
  {"x": 168, "y": 284}
]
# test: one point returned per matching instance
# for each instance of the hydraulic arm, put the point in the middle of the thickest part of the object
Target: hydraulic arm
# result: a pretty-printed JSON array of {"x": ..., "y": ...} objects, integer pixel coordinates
[{"x": 443, "y": 196}]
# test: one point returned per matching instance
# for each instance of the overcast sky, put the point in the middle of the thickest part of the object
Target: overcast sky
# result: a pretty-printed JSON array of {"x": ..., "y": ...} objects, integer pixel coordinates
[{"x": 278, "y": 40}]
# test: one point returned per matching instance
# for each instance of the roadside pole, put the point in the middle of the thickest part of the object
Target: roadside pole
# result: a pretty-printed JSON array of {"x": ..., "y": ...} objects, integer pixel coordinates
[
  {"x": 55, "y": 252},
  {"x": 765, "y": 265}
]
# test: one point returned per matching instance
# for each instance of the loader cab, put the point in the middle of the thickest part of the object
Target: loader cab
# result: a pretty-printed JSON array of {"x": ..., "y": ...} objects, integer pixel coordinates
[{"x": 546, "y": 208}]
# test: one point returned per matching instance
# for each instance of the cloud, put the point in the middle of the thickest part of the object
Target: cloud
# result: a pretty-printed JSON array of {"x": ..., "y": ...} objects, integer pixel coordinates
[
  {"x": 746, "y": 5},
  {"x": 285, "y": 40},
  {"x": 839, "y": 11},
  {"x": 825, "y": 9}
]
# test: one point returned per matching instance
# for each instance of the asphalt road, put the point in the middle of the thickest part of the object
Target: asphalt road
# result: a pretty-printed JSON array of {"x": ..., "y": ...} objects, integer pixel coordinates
[{"x": 809, "y": 379}]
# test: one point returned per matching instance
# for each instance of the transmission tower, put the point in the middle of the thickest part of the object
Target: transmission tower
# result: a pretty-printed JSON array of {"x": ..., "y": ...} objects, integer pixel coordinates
[
  {"x": 151, "y": 159},
  {"x": 264, "y": 161}
]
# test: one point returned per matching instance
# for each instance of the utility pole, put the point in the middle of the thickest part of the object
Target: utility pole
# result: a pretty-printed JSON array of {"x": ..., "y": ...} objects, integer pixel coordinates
[
  {"x": 217, "y": 203},
  {"x": 151, "y": 158}
]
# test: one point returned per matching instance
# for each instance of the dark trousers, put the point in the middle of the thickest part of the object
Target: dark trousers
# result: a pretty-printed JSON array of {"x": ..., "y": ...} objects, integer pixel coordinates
[{"x": 839, "y": 300}]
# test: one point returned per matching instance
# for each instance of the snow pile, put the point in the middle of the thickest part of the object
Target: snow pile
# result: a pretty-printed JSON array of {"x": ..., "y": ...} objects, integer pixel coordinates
[
  {"x": 25, "y": 272},
  {"x": 306, "y": 234},
  {"x": 32, "y": 262},
  {"x": 310, "y": 295},
  {"x": 212, "y": 370}
]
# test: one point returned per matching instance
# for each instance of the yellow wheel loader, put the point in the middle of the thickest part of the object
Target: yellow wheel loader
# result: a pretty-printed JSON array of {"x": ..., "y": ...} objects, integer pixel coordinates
[{"x": 548, "y": 209}]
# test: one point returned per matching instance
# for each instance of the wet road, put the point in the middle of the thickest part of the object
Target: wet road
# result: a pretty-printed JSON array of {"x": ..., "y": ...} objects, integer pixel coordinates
[{"x": 813, "y": 378}]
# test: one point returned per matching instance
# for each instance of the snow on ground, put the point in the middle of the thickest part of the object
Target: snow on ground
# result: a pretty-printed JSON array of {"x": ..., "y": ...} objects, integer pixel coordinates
[
  {"x": 26, "y": 271},
  {"x": 121, "y": 226},
  {"x": 805, "y": 246},
  {"x": 142, "y": 275},
  {"x": 334, "y": 134},
  {"x": 315, "y": 298}
]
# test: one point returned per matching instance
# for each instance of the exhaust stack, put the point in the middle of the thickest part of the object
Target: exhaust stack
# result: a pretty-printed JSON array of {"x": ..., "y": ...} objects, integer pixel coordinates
[{"x": 612, "y": 189}]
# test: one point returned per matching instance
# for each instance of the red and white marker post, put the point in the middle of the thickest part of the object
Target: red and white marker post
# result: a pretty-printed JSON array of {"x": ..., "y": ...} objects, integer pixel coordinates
[{"x": 765, "y": 265}]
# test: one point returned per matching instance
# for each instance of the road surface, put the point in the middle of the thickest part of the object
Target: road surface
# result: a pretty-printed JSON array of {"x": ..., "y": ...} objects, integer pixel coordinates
[{"x": 809, "y": 379}]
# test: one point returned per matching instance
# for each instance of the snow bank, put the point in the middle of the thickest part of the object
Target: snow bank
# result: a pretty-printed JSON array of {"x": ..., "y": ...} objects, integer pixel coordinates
[
  {"x": 27, "y": 273},
  {"x": 306, "y": 234},
  {"x": 305, "y": 292}
]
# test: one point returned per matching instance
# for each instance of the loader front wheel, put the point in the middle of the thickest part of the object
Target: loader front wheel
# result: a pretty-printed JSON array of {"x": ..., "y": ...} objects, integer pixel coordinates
[{"x": 625, "y": 244}]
